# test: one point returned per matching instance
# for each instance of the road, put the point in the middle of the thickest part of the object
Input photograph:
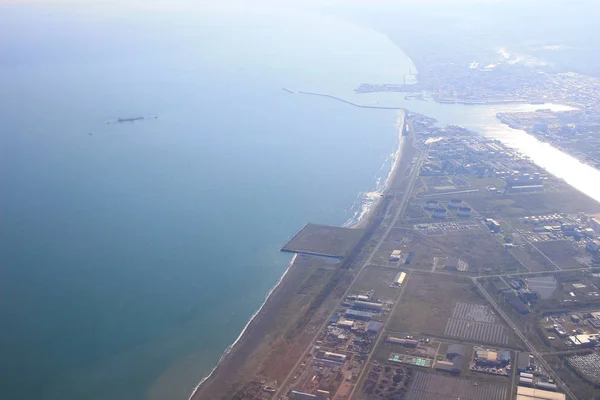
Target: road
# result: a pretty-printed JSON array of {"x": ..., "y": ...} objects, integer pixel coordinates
[
  {"x": 383, "y": 329},
  {"x": 530, "y": 347},
  {"x": 507, "y": 275},
  {"x": 414, "y": 173}
]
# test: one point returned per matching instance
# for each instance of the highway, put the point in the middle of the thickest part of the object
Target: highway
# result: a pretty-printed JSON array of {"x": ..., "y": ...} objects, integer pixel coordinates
[
  {"x": 530, "y": 347},
  {"x": 414, "y": 173}
]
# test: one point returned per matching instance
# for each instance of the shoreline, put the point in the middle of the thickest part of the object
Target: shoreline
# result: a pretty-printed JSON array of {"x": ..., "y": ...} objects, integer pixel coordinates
[
  {"x": 230, "y": 348},
  {"x": 365, "y": 215},
  {"x": 367, "y": 207}
]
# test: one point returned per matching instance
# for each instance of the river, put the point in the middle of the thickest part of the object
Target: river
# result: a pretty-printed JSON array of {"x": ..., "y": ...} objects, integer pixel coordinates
[{"x": 482, "y": 119}]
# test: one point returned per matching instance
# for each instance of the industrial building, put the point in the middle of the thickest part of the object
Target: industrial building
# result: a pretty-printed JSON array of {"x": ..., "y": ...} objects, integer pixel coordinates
[
  {"x": 524, "y": 381},
  {"x": 455, "y": 203},
  {"x": 547, "y": 386},
  {"x": 454, "y": 366},
  {"x": 525, "y": 393},
  {"x": 523, "y": 361},
  {"x": 329, "y": 356},
  {"x": 396, "y": 255},
  {"x": 360, "y": 297},
  {"x": 404, "y": 342},
  {"x": 440, "y": 213},
  {"x": 488, "y": 358},
  {"x": 584, "y": 340},
  {"x": 464, "y": 212},
  {"x": 595, "y": 223},
  {"x": 431, "y": 204},
  {"x": 374, "y": 327},
  {"x": 296, "y": 395},
  {"x": 367, "y": 305},
  {"x": 454, "y": 359},
  {"x": 345, "y": 323},
  {"x": 492, "y": 225},
  {"x": 527, "y": 188},
  {"x": 400, "y": 279},
  {"x": 357, "y": 314}
]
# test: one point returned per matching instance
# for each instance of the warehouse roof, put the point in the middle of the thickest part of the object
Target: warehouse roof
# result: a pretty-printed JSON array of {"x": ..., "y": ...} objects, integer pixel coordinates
[{"x": 526, "y": 393}]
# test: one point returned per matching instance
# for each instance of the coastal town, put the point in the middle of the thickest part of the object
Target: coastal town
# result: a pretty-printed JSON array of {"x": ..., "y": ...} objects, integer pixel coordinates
[{"x": 476, "y": 276}]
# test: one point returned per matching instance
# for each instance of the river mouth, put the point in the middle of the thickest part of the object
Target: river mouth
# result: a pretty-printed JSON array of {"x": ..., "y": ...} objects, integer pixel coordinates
[{"x": 481, "y": 118}]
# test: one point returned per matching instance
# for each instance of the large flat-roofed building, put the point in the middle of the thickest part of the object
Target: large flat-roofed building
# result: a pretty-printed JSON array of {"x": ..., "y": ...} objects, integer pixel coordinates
[
  {"x": 525, "y": 393},
  {"x": 395, "y": 256},
  {"x": 297, "y": 395},
  {"x": 523, "y": 362},
  {"x": 374, "y": 327},
  {"x": 404, "y": 342},
  {"x": 367, "y": 305},
  {"x": 327, "y": 355},
  {"x": 453, "y": 366},
  {"x": 400, "y": 279},
  {"x": 357, "y": 314},
  {"x": 527, "y": 188},
  {"x": 584, "y": 340}
]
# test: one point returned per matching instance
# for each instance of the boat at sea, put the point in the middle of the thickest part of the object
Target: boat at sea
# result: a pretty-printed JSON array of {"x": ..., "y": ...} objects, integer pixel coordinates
[{"x": 129, "y": 119}]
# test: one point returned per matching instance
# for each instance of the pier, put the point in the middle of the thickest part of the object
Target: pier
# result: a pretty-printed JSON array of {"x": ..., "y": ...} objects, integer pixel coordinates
[{"x": 348, "y": 102}]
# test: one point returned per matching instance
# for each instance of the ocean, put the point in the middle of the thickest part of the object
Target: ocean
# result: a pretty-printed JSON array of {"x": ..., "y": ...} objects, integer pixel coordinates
[{"x": 126, "y": 248}]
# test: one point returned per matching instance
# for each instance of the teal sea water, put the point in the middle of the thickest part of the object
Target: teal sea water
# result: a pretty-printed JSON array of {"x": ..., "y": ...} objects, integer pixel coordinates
[{"x": 124, "y": 248}]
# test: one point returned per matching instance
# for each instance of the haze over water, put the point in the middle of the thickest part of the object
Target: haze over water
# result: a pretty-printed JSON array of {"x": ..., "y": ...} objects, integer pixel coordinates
[
  {"x": 137, "y": 249},
  {"x": 131, "y": 255}
]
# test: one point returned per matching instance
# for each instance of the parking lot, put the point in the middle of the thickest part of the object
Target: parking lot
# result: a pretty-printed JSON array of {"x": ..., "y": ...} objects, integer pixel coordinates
[{"x": 588, "y": 365}]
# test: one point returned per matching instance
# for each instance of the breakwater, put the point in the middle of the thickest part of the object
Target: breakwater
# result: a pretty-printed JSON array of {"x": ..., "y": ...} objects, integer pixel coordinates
[{"x": 348, "y": 102}]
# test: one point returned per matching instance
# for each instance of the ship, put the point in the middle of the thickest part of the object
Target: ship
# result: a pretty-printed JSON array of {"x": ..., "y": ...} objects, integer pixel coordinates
[{"x": 129, "y": 119}]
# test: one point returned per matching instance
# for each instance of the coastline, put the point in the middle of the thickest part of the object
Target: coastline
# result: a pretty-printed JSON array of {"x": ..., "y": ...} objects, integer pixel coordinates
[
  {"x": 265, "y": 315},
  {"x": 369, "y": 204},
  {"x": 243, "y": 332}
]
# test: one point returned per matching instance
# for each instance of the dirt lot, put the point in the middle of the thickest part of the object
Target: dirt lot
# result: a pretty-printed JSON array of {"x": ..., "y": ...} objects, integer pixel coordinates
[
  {"x": 562, "y": 252},
  {"x": 568, "y": 200},
  {"x": 532, "y": 259},
  {"x": 428, "y": 301},
  {"x": 477, "y": 247},
  {"x": 378, "y": 279}
]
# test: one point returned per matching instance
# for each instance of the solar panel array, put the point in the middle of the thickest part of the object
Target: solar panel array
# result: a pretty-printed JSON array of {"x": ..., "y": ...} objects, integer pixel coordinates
[
  {"x": 439, "y": 387},
  {"x": 475, "y": 322}
]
